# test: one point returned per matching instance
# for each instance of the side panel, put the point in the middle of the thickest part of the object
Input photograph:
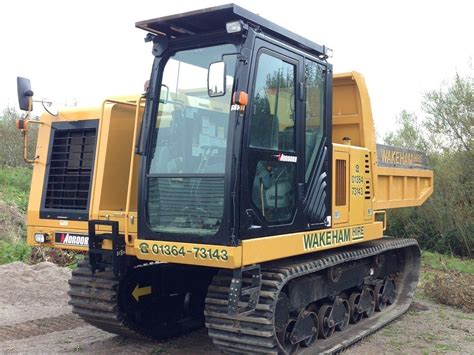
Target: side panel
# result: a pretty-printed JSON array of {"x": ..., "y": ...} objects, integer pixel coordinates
[
  {"x": 397, "y": 187},
  {"x": 35, "y": 223},
  {"x": 301, "y": 243},
  {"x": 250, "y": 252},
  {"x": 340, "y": 192},
  {"x": 110, "y": 177},
  {"x": 352, "y": 186},
  {"x": 402, "y": 177}
]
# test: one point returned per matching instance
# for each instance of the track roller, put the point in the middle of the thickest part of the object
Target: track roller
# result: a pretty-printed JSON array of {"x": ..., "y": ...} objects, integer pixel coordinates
[{"x": 319, "y": 303}]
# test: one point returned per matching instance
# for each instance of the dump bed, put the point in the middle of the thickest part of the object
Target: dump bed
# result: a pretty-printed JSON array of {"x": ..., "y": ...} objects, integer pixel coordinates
[{"x": 401, "y": 177}]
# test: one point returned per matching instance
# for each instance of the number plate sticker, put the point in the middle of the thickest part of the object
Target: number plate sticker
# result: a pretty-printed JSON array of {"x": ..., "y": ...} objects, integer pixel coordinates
[{"x": 187, "y": 253}]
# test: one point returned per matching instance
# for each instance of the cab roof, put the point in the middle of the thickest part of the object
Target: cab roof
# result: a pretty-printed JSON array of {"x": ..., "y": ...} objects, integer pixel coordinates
[{"x": 215, "y": 18}]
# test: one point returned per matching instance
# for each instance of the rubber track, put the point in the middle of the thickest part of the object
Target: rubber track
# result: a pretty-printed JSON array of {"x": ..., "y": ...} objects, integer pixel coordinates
[
  {"x": 255, "y": 333},
  {"x": 40, "y": 326},
  {"x": 94, "y": 298}
]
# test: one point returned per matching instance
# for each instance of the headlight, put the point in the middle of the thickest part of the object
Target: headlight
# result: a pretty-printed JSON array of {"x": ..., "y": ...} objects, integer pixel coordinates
[
  {"x": 233, "y": 27},
  {"x": 41, "y": 237}
]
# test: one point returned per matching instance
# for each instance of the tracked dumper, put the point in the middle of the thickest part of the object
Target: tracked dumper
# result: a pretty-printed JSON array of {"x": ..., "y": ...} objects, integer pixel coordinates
[{"x": 244, "y": 191}]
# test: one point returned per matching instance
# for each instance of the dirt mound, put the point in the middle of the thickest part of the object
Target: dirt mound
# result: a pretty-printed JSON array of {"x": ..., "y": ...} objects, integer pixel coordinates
[
  {"x": 30, "y": 290},
  {"x": 453, "y": 288},
  {"x": 12, "y": 222},
  {"x": 16, "y": 278}
]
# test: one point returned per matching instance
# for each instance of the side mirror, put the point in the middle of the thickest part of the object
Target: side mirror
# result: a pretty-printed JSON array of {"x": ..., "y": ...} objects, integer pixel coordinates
[
  {"x": 216, "y": 79},
  {"x": 25, "y": 94}
]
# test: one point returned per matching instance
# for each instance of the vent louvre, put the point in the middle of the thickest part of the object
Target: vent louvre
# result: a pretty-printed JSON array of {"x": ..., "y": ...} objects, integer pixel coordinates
[
  {"x": 368, "y": 191},
  {"x": 70, "y": 170},
  {"x": 340, "y": 182}
]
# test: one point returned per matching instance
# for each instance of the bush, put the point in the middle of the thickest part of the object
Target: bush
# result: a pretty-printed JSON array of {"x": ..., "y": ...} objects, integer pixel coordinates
[
  {"x": 15, "y": 186},
  {"x": 452, "y": 288},
  {"x": 14, "y": 189},
  {"x": 10, "y": 252},
  {"x": 445, "y": 223},
  {"x": 60, "y": 257},
  {"x": 12, "y": 223},
  {"x": 11, "y": 147}
]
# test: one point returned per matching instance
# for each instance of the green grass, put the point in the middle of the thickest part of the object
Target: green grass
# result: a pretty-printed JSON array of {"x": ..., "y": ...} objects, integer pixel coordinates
[
  {"x": 14, "y": 190},
  {"x": 77, "y": 258},
  {"x": 444, "y": 348},
  {"x": 446, "y": 262},
  {"x": 428, "y": 337},
  {"x": 9, "y": 252},
  {"x": 465, "y": 316},
  {"x": 15, "y": 186}
]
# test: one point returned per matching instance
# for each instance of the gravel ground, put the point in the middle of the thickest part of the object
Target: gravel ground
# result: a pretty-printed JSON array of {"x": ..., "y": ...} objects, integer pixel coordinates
[{"x": 35, "y": 318}]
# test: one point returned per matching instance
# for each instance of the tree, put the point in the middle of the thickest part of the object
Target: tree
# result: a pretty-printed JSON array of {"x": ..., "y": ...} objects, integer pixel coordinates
[
  {"x": 409, "y": 134},
  {"x": 450, "y": 118},
  {"x": 445, "y": 223}
]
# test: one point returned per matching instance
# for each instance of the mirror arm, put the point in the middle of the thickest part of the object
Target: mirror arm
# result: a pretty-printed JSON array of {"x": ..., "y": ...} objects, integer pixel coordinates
[
  {"x": 24, "y": 132},
  {"x": 25, "y": 149}
]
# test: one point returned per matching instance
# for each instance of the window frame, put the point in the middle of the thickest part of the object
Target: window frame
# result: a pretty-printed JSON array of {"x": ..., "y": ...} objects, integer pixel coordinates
[
  {"x": 224, "y": 235},
  {"x": 323, "y": 121},
  {"x": 287, "y": 60}
]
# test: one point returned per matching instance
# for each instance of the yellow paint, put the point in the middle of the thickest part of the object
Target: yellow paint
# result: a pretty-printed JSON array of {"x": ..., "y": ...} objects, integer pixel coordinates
[
  {"x": 141, "y": 291},
  {"x": 398, "y": 187},
  {"x": 115, "y": 192},
  {"x": 340, "y": 214},
  {"x": 259, "y": 250},
  {"x": 113, "y": 179},
  {"x": 189, "y": 253},
  {"x": 359, "y": 189},
  {"x": 352, "y": 117},
  {"x": 271, "y": 248},
  {"x": 351, "y": 111}
]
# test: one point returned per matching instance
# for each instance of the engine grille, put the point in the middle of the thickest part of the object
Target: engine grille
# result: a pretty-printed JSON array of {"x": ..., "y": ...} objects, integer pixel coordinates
[
  {"x": 70, "y": 166},
  {"x": 341, "y": 182}
]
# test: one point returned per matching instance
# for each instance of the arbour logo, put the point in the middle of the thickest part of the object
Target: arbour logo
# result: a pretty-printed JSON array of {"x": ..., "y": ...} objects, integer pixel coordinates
[
  {"x": 286, "y": 158},
  {"x": 81, "y": 240}
]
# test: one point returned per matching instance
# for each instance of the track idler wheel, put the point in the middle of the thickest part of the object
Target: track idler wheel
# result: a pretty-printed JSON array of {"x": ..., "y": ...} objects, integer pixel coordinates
[
  {"x": 361, "y": 304},
  {"x": 371, "y": 299},
  {"x": 384, "y": 294},
  {"x": 312, "y": 308},
  {"x": 284, "y": 337},
  {"x": 342, "y": 312},
  {"x": 356, "y": 314},
  {"x": 326, "y": 323},
  {"x": 307, "y": 327},
  {"x": 284, "y": 325}
]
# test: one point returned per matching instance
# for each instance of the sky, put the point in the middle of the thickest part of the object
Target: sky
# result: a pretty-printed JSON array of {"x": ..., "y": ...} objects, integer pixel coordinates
[{"x": 80, "y": 52}]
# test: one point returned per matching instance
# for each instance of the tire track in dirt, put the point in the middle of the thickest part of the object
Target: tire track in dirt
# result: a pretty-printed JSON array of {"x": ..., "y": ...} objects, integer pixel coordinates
[{"x": 40, "y": 326}]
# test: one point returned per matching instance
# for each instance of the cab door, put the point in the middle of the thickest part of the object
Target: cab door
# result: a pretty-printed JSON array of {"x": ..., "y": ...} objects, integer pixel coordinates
[{"x": 272, "y": 180}]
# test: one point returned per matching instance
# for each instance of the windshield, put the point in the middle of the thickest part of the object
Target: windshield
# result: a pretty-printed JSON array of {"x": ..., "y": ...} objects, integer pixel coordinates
[{"x": 187, "y": 165}]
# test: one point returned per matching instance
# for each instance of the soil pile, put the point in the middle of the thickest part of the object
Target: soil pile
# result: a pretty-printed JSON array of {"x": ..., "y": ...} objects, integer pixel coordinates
[{"x": 31, "y": 291}]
